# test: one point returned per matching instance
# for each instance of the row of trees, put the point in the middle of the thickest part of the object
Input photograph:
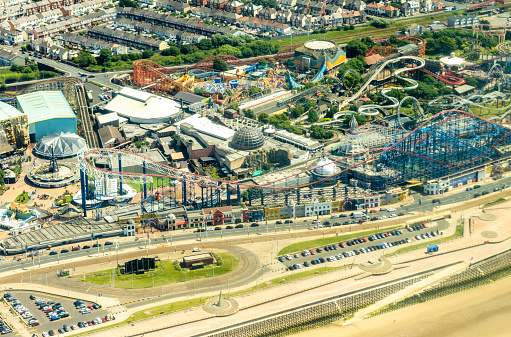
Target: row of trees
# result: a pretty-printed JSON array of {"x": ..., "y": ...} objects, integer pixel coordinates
[{"x": 280, "y": 121}]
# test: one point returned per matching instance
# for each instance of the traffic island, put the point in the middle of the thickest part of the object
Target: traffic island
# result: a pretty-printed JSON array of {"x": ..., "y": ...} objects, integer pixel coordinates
[
  {"x": 220, "y": 306},
  {"x": 379, "y": 267}
]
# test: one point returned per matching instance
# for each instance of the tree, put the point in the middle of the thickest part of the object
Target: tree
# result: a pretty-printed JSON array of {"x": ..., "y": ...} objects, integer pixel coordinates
[
  {"x": 263, "y": 117},
  {"x": 448, "y": 44},
  {"x": 205, "y": 44},
  {"x": 484, "y": 22},
  {"x": 319, "y": 132},
  {"x": 147, "y": 53},
  {"x": 249, "y": 113},
  {"x": 85, "y": 59},
  {"x": 312, "y": 116},
  {"x": 355, "y": 48},
  {"x": 220, "y": 65},
  {"x": 296, "y": 112},
  {"x": 105, "y": 56},
  {"x": 262, "y": 62},
  {"x": 172, "y": 50},
  {"x": 128, "y": 3},
  {"x": 2, "y": 177},
  {"x": 311, "y": 103},
  {"x": 332, "y": 111},
  {"x": 234, "y": 105}
]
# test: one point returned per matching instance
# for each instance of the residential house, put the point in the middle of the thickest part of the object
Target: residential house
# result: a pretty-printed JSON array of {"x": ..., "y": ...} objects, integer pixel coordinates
[
  {"x": 42, "y": 45},
  {"x": 302, "y": 6},
  {"x": 462, "y": 21},
  {"x": 353, "y": 5},
  {"x": 333, "y": 9},
  {"x": 217, "y": 4},
  {"x": 216, "y": 216},
  {"x": 59, "y": 53},
  {"x": 382, "y": 10},
  {"x": 127, "y": 38},
  {"x": 410, "y": 8},
  {"x": 264, "y": 25},
  {"x": 283, "y": 17},
  {"x": 7, "y": 58},
  {"x": 192, "y": 38},
  {"x": 353, "y": 17},
  {"x": 426, "y": 5},
  {"x": 333, "y": 20},
  {"x": 86, "y": 43},
  {"x": 268, "y": 13},
  {"x": 251, "y": 10},
  {"x": 234, "y": 7},
  {"x": 298, "y": 20},
  {"x": 110, "y": 136},
  {"x": 287, "y": 4},
  {"x": 437, "y": 5},
  {"x": 226, "y": 17},
  {"x": 199, "y": 3},
  {"x": 11, "y": 38},
  {"x": 415, "y": 29},
  {"x": 317, "y": 8},
  {"x": 175, "y": 6}
]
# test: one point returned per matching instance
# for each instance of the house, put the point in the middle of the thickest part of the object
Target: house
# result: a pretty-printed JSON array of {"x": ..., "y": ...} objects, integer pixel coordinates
[
  {"x": 234, "y": 7},
  {"x": 283, "y": 17},
  {"x": 11, "y": 38},
  {"x": 59, "y": 53},
  {"x": 251, "y": 9},
  {"x": 317, "y": 8},
  {"x": 352, "y": 5},
  {"x": 302, "y": 6},
  {"x": 287, "y": 4},
  {"x": 175, "y": 6},
  {"x": 7, "y": 59},
  {"x": 298, "y": 20},
  {"x": 267, "y": 14},
  {"x": 333, "y": 20},
  {"x": 332, "y": 9},
  {"x": 217, "y": 4},
  {"x": 437, "y": 5},
  {"x": 264, "y": 25},
  {"x": 426, "y": 5},
  {"x": 42, "y": 45},
  {"x": 353, "y": 17},
  {"x": 382, "y": 10},
  {"x": 462, "y": 21},
  {"x": 200, "y": 3},
  {"x": 410, "y": 8},
  {"x": 415, "y": 29}
]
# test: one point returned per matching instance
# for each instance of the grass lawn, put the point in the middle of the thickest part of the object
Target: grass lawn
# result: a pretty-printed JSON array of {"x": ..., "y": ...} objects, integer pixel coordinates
[
  {"x": 303, "y": 245},
  {"x": 22, "y": 198},
  {"x": 166, "y": 273},
  {"x": 457, "y": 234},
  {"x": 287, "y": 279},
  {"x": 65, "y": 199},
  {"x": 156, "y": 183},
  {"x": 496, "y": 202}
]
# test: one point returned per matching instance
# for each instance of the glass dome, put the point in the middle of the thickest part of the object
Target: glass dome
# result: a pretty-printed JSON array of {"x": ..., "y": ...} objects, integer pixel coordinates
[
  {"x": 325, "y": 167},
  {"x": 247, "y": 138},
  {"x": 62, "y": 145}
]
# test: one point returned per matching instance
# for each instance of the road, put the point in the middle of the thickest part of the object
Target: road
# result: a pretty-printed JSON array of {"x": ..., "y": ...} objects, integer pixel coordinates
[{"x": 421, "y": 203}]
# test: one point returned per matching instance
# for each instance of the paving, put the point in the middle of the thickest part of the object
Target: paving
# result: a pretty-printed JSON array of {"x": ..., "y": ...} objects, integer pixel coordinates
[{"x": 67, "y": 303}]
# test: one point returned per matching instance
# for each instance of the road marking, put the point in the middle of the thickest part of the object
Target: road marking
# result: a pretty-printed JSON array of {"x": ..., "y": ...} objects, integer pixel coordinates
[
  {"x": 88, "y": 289},
  {"x": 32, "y": 330}
]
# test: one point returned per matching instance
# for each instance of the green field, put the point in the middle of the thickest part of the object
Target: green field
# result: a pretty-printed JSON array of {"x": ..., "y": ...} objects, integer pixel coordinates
[
  {"x": 156, "y": 183},
  {"x": 457, "y": 234},
  {"x": 164, "y": 274},
  {"x": 65, "y": 199},
  {"x": 303, "y": 245}
]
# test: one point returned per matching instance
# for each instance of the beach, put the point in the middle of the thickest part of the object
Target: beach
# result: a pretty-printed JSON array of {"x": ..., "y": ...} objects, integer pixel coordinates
[{"x": 480, "y": 312}]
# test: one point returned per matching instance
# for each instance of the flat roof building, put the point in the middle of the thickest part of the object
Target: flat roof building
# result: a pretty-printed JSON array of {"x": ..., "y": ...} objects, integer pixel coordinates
[
  {"x": 47, "y": 112},
  {"x": 301, "y": 142},
  {"x": 198, "y": 260},
  {"x": 14, "y": 125},
  {"x": 143, "y": 107}
]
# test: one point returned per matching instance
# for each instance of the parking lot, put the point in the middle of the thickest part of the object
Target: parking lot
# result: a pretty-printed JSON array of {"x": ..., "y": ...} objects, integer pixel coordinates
[
  {"x": 45, "y": 325},
  {"x": 386, "y": 239}
]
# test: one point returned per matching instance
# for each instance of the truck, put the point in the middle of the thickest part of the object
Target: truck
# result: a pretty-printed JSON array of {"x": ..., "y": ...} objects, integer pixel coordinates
[{"x": 357, "y": 215}]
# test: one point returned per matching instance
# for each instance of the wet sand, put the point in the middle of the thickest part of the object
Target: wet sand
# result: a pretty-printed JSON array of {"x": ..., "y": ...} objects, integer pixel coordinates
[{"x": 480, "y": 312}]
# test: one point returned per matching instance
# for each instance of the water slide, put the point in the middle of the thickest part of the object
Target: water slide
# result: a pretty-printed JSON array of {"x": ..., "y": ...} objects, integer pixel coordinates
[
  {"x": 319, "y": 75},
  {"x": 374, "y": 109},
  {"x": 292, "y": 82}
]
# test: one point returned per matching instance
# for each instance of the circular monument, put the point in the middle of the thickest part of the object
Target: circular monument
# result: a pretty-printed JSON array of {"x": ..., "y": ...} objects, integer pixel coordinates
[
  {"x": 379, "y": 267},
  {"x": 220, "y": 306},
  {"x": 247, "y": 138},
  {"x": 46, "y": 176}
]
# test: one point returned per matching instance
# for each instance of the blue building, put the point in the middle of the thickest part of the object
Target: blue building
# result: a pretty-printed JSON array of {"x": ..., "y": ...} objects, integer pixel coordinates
[
  {"x": 48, "y": 112},
  {"x": 255, "y": 214}
]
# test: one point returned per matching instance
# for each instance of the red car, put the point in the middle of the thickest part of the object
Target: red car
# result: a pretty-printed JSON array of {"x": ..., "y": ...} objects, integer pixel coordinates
[
  {"x": 103, "y": 319},
  {"x": 90, "y": 307},
  {"x": 312, "y": 251},
  {"x": 34, "y": 324},
  {"x": 89, "y": 323},
  {"x": 48, "y": 310},
  {"x": 342, "y": 245},
  {"x": 361, "y": 220},
  {"x": 75, "y": 248},
  {"x": 401, "y": 214},
  {"x": 364, "y": 239},
  {"x": 386, "y": 234},
  {"x": 373, "y": 211},
  {"x": 424, "y": 224}
]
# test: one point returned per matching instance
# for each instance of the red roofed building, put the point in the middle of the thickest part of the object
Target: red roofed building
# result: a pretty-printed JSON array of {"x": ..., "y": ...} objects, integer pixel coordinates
[
  {"x": 382, "y": 10},
  {"x": 217, "y": 216}
]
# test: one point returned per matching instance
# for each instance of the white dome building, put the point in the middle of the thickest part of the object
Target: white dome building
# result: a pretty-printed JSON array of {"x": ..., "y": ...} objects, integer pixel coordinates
[
  {"x": 62, "y": 145},
  {"x": 326, "y": 168}
]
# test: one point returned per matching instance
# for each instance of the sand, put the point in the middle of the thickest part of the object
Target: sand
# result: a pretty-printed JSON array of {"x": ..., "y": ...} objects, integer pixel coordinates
[{"x": 483, "y": 311}]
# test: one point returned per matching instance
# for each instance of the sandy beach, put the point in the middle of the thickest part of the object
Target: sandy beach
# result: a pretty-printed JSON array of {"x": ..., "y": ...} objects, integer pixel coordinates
[{"x": 480, "y": 312}]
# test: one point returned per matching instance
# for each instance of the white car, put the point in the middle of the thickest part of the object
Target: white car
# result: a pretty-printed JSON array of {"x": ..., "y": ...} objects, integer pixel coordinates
[
  {"x": 334, "y": 216},
  {"x": 391, "y": 210},
  {"x": 316, "y": 221},
  {"x": 383, "y": 217},
  {"x": 289, "y": 257},
  {"x": 393, "y": 215},
  {"x": 417, "y": 237},
  {"x": 196, "y": 250}
]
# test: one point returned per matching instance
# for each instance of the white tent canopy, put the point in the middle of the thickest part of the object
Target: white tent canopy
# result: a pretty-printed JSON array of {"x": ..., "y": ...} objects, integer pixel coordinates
[{"x": 62, "y": 145}]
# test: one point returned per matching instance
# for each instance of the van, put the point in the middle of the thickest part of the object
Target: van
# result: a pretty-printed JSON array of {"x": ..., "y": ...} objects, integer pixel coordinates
[
  {"x": 196, "y": 250},
  {"x": 357, "y": 214}
]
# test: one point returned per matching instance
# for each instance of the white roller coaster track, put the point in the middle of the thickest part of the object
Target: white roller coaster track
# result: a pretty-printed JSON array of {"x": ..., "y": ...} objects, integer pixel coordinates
[{"x": 373, "y": 109}]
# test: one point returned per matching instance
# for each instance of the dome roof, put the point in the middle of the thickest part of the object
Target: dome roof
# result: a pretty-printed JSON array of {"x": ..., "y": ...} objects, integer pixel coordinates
[
  {"x": 62, "y": 145},
  {"x": 247, "y": 138},
  {"x": 328, "y": 169}
]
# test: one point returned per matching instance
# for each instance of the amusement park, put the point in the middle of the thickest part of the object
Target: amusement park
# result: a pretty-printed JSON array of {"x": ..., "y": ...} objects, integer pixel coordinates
[{"x": 133, "y": 192}]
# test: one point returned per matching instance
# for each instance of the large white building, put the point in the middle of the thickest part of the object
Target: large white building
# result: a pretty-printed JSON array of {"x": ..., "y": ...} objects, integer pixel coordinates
[{"x": 143, "y": 107}]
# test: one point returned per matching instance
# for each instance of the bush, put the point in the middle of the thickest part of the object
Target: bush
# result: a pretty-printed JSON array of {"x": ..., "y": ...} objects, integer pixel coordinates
[{"x": 177, "y": 266}]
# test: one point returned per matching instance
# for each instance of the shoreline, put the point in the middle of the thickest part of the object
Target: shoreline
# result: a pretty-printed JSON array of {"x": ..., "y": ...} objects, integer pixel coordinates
[{"x": 473, "y": 313}]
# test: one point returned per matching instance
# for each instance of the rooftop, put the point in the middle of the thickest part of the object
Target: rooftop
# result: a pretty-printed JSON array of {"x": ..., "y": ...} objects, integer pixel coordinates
[
  {"x": 208, "y": 127},
  {"x": 8, "y": 111},
  {"x": 44, "y": 105}
]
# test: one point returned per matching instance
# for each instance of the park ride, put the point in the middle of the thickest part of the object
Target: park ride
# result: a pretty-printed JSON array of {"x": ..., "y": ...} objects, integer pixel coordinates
[{"x": 375, "y": 109}]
